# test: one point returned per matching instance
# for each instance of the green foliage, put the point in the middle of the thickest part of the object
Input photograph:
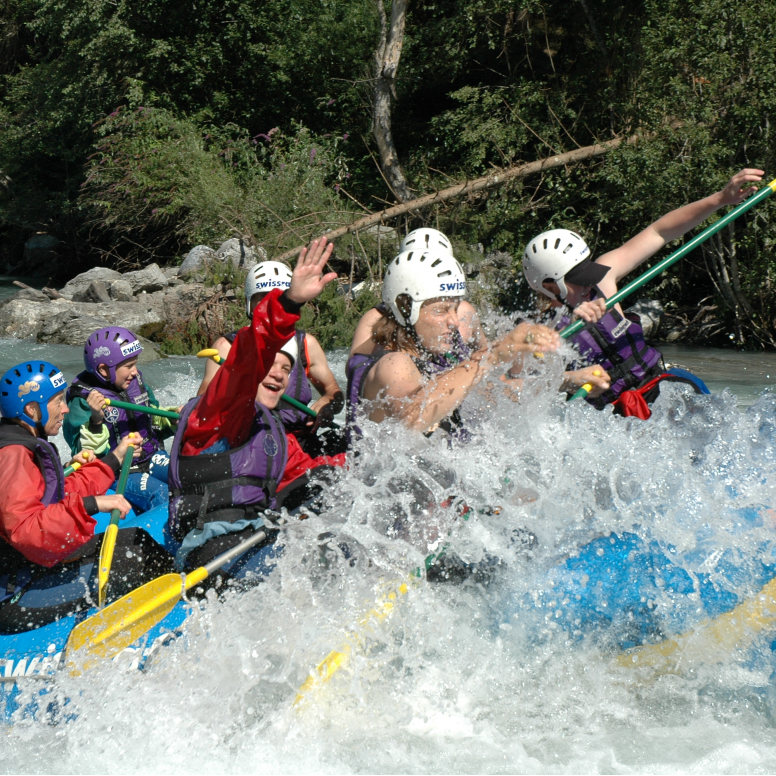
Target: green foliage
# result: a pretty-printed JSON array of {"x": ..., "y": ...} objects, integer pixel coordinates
[
  {"x": 253, "y": 120},
  {"x": 157, "y": 184},
  {"x": 332, "y": 317}
]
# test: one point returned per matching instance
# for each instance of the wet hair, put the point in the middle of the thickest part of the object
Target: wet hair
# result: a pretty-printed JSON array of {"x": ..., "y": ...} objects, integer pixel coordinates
[{"x": 389, "y": 334}]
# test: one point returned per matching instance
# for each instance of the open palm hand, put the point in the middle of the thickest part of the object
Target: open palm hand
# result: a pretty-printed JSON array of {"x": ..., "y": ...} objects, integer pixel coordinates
[{"x": 308, "y": 280}]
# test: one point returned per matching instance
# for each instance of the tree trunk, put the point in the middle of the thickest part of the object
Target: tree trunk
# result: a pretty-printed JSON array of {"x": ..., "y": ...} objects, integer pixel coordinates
[
  {"x": 488, "y": 182},
  {"x": 387, "y": 59}
]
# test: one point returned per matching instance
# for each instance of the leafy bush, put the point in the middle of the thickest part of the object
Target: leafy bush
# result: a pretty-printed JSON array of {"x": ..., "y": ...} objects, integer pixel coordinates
[{"x": 158, "y": 184}]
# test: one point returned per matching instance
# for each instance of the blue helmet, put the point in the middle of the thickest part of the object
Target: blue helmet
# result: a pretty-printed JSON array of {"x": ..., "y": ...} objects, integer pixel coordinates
[{"x": 31, "y": 381}]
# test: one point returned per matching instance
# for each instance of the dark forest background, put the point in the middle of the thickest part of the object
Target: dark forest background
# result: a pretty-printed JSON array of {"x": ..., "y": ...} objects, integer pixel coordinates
[{"x": 131, "y": 130}]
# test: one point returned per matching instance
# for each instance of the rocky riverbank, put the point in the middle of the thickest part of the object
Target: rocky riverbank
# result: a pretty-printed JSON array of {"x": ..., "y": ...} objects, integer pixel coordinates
[{"x": 147, "y": 301}]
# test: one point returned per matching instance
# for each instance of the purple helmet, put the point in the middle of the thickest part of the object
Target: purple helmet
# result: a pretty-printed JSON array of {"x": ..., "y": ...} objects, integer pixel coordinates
[{"x": 110, "y": 346}]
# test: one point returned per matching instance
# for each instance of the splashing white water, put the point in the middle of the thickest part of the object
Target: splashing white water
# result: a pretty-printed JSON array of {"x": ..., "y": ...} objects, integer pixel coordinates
[{"x": 461, "y": 677}]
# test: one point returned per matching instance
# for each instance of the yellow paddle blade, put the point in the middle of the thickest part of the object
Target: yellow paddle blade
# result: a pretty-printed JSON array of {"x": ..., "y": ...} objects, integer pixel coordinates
[
  {"x": 106, "y": 559},
  {"x": 106, "y": 633},
  {"x": 113, "y": 629},
  {"x": 337, "y": 659},
  {"x": 712, "y": 641},
  {"x": 208, "y": 353}
]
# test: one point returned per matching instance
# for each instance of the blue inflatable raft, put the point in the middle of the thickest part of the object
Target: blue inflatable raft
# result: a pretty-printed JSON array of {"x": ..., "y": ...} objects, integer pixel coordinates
[{"x": 38, "y": 653}]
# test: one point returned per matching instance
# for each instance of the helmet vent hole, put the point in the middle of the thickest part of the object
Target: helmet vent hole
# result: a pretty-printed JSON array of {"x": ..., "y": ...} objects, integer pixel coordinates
[
  {"x": 557, "y": 243},
  {"x": 116, "y": 336},
  {"x": 438, "y": 261},
  {"x": 568, "y": 248},
  {"x": 410, "y": 256},
  {"x": 534, "y": 247},
  {"x": 444, "y": 274},
  {"x": 545, "y": 244},
  {"x": 29, "y": 368},
  {"x": 276, "y": 271}
]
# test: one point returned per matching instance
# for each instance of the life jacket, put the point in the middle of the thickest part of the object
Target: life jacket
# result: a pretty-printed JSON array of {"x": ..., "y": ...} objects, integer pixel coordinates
[
  {"x": 121, "y": 422},
  {"x": 46, "y": 458},
  {"x": 298, "y": 387},
  {"x": 428, "y": 364},
  {"x": 616, "y": 342},
  {"x": 228, "y": 486}
]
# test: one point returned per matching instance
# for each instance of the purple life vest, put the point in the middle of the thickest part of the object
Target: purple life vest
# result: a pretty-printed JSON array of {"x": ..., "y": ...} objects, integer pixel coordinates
[
  {"x": 616, "y": 342},
  {"x": 121, "y": 422},
  {"x": 46, "y": 458},
  {"x": 298, "y": 387},
  {"x": 232, "y": 485}
]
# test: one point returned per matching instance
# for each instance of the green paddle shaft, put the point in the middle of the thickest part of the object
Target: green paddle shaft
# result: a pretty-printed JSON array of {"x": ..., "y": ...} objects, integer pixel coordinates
[
  {"x": 299, "y": 405},
  {"x": 663, "y": 265},
  {"x": 213, "y": 354},
  {"x": 125, "y": 405}
]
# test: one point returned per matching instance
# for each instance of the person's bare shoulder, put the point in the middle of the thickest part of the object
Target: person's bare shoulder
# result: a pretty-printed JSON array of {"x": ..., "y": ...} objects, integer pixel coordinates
[
  {"x": 395, "y": 374},
  {"x": 362, "y": 337}
]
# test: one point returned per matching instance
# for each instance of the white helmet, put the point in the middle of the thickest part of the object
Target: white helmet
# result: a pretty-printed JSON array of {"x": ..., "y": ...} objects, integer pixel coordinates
[
  {"x": 550, "y": 256},
  {"x": 421, "y": 275},
  {"x": 426, "y": 240},
  {"x": 291, "y": 349},
  {"x": 263, "y": 278}
]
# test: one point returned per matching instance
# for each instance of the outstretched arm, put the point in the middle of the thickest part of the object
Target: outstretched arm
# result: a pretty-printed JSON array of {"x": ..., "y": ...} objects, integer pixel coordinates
[
  {"x": 227, "y": 407},
  {"x": 401, "y": 392},
  {"x": 671, "y": 226}
]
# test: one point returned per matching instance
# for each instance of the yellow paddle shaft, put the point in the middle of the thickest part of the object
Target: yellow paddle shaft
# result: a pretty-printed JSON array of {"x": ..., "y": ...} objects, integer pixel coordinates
[
  {"x": 106, "y": 559},
  {"x": 339, "y": 658},
  {"x": 712, "y": 640},
  {"x": 109, "y": 539}
]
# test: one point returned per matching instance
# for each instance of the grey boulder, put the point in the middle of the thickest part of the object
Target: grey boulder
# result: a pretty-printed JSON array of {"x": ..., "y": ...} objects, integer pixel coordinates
[
  {"x": 31, "y": 295},
  {"x": 239, "y": 254},
  {"x": 195, "y": 258},
  {"x": 96, "y": 292},
  {"x": 650, "y": 311},
  {"x": 69, "y": 328},
  {"x": 81, "y": 282},
  {"x": 148, "y": 279},
  {"x": 120, "y": 291},
  {"x": 23, "y": 318}
]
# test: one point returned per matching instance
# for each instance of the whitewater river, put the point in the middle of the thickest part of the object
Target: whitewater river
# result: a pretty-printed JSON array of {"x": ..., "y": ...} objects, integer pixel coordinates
[{"x": 468, "y": 677}]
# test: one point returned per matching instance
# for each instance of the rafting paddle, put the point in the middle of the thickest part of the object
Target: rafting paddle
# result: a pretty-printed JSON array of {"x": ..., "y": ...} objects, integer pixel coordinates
[
  {"x": 114, "y": 628},
  {"x": 109, "y": 539},
  {"x": 126, "y": 405},
  {"x": 711, "y": 640},
  {"x": 213, "y": 354},
  {"x": 663, "y": 265}
]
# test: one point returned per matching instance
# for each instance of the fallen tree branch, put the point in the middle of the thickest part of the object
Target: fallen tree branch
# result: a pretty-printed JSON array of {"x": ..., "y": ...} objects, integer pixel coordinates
[{"x": 486, "y": 183}]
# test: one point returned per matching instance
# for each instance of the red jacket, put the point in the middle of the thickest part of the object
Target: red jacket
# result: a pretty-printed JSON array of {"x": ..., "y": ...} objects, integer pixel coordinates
[
  {"x": 46, "y": 535},
  {"x": 228, "y": 406}
]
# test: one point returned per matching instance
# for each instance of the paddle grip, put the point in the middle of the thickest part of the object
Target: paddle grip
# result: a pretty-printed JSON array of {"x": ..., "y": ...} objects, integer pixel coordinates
[
  {"x": 582, "y": 392},
  {"x": 125, "y": 405}
]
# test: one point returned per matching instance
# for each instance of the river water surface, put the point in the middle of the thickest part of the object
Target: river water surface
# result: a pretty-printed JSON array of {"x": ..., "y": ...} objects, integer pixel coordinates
[{"x": 468, "y": 677}]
